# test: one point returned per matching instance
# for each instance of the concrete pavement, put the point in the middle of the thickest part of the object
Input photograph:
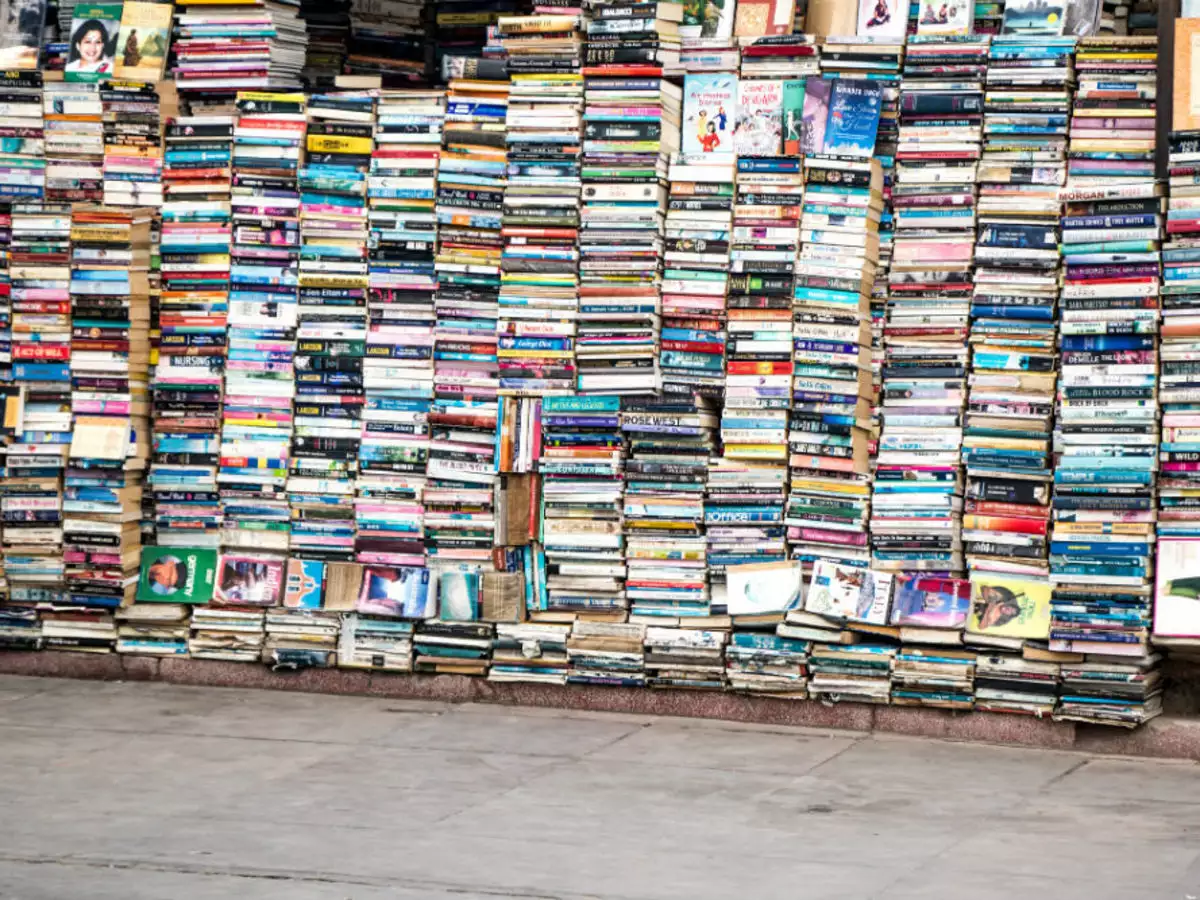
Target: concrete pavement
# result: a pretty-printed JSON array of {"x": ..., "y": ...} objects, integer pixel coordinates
[{"x": 151, "y": 790}]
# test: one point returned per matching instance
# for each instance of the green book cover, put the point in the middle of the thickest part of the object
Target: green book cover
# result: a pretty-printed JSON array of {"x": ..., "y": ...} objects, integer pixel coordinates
[
  {"x": 793, "y": 115},
  {"x": 177, "y": 575}
]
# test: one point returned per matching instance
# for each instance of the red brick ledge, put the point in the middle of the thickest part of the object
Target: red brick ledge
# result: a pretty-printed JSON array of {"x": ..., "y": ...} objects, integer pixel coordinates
[{"x": 1164, "y": 738}]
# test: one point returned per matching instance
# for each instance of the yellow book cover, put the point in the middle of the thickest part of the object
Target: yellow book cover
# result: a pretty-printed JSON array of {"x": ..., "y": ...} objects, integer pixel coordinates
[
  {"x": 142, "y": 40},
  {"x": 1005, "y": 606}
]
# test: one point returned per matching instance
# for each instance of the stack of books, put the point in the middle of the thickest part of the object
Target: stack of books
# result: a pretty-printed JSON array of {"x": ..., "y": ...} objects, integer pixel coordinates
[
  {"x": 630, "y": 127},
  {"x": 36, "y": 460},
  {"x": 687, "y": 658},
  {"x": 539, "y": 296},
  {"x": 789, "y": 57},
  {"x": 462, "y": 27},
  {"x": 193, "y": 310},
  {"x": 452, "y": 648},
  {"x": 153, "y": 629},
  {"x": 328, "y": 28},
  {"x": 850, "y": 672},
  {"x": 705, "y": 31},
  {"x": 331, "y": 331},
  {"x": 260, "y": 374},
  {"x": 1122, "y": 691},
  {"x": 74, "y": 129},
  {"x": 300, "y": 638},
  {"x": 581, "y": 465},
  {"x": 926, "y": 330},
  {"x": 533, "y": 651},
  {"x": 938, "y": 677},
  {"x": 133, "y": 143},
  {"x": 398, "y": 368},
  {"x": 23, "y": 157},
  {"x": 225, "y": 46},
  {"x": 235, "y": 635},
  {"x": 609, "y": 653},
  {"x": 698, "y": 228},
  {"x": 670, "y": 442},
  {"x": 390, "y": 39},
  {"x": 12, "y": 627},
  {"x": 110, "y": 446},
  {"x": 373, "y": 642},
  {"x": 1008, "y": 683},
  {"x": 1010, "y": 404},
  {"x": 828, "y": 428},
  {"x": 767, "y": 664}
]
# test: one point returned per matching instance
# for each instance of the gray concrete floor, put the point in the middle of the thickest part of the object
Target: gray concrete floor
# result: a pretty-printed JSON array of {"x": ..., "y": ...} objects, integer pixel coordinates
[{"x": 138, "y": 791}]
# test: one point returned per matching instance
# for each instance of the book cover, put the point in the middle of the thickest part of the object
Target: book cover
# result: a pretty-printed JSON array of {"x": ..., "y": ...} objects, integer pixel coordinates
[
  {"x": 708, "y": 20},
  {"x": 815, "y": 114},
  {"x": 93, "y": 42},
  {"x": 763, "y": 588},
  {"x": 758, "y": 18},
  {"x": 875, "y": 598},
  {"x": 931, "y": 602},
  {"x": 458, "y": 595},
  {"x": 1177, "y": 588},
  {"x": 247, "y": 579},
  {"x": 1185, "y": 99},
  {"x": 21, "y": 25},
  {"x": 1040, "y": 17},
  {"x": 883, "y": 18},
  {"x": 854, "y": 109},
  {"x": 141, "y": 49},
  {"x": 177, "y": 575},
  {"x": 1083, "y": 18},
  {"x": 1009, "y": 607},
  {"x": 759, "y": 128},
  {"x": 709, "y": 110},
  {"x": 945, "y": 16},
  {"x": 305, "y": 584},
  {"x": 793, "y": 116},
  {"x": 835, "y": 590},
  {"x": 398, "y": 591}
]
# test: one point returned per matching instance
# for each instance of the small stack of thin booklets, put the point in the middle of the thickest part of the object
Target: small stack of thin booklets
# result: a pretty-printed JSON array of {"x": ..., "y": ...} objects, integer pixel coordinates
[
  {"x": 300, "y": 638},
  {"x": 630, "y": 127},
  {"x": 917, "y": 504},
  {"x": 390, "y": 39},
  {"x": 110, "y": 446},
  {"x": 706, "y": 36},
  {"x": 581, "y": 465},
  {"x": 23, "y": 148},
  {"x": 828, "y": 427},
  {"x": 767, "y": 664},
  {"x": 331, "y": 331},
  {"x": 1106, "y": 436},
  {"x": 530, "y": 651},
  {"x": 226, "y": 46},
  {"x": 192, "y": 315},
  {"x": 133, "y": 144},
  {"x": 685, "y": 658},
  {"x": 1013, "y": 336},
  {"x": 259, "y": 376},
  {"x": 74, "y": 129},
  {"x": 235, "y": 635},
  {"x": 39, "y": 269},
  {"x": 790, "y": 57},
  {"x": 698, "y": 228},
  {"x": 398, "y": 365},
  {"x": 374, "y": 642},
  {"x": 670, "y": 442},
  {"x": 153, "y": 629},
  {"x": 610, "y": 653},
  {"x": 539, "y": 295}
]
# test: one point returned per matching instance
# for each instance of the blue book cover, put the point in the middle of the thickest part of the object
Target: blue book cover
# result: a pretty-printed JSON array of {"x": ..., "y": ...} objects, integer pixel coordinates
[{"x": 853, "y": 123}]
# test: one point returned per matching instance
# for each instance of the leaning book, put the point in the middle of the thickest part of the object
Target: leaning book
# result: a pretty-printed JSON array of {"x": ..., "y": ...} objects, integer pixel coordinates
[{"x": 177, "y": 575}]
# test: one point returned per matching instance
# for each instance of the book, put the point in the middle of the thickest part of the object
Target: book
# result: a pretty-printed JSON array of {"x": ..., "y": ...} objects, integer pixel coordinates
[
  {"x": 755, "y": 18},
  {"x": 246, "y": 579},
  {"x": 793, "y": 116},
  {"x": 22, "y": 23},
  {"x": 854, "y": 110},
  {"x": 305, "y": 584},
  {"x": 459, "y": 595},
  {"x": 947, "y": 17},
  {"x": 1034, "y": 17},
  {"x": 1009, "y": 607},
  {"x": 142, "y": 41},
  {"x": 709, "y": 114},
  {"x": 815, "y": 114},
  {"x": 759, "y": 128},
  {"x": 763, "y": 587},
  {"x": 1177, "y": 590},
  {"x": 93, "y": 41},
  {"x": 931, "y": 602},
  {"x": 397, "y": 591},
  {"x": 882, "y": 18},
  {"x": 177, "y": 575}
]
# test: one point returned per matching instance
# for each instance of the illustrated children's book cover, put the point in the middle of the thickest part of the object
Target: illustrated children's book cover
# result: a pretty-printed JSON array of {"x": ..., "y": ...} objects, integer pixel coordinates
[{"x": 709, "y": 114}]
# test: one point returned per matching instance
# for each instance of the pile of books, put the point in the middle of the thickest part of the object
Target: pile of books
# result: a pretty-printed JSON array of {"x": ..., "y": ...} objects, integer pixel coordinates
[
  {"x": 153, "y": 629},
  {"x": 235, "y": 635},
  {"x": 300, "y": 638},
  {"x": 331, "y": 330},
  {"x": 705, "y": 31},
  {"x": 74, "y": 142},
  {"x": 539, "y": 296},
  {"x": 767, "y": 664},
  {"x": 791, "y": 57},
  {"x": 530, "y": 651},
  {"x": 688, "y": 658},
  {"x": 1010, "y": 683},
  {"x": 374, "y": 642},
  {"x": 389, "y": 39},
  {"x": 23, "y": 157},
  {"x": 937, "y": 677},
  {"x": 133, "y": 143},
  {"x": 192, "y": 315},
  {"x": 607, "y": 653},
  {"x": 328, "y": 28},
  {"x": 452, "y": 647}
]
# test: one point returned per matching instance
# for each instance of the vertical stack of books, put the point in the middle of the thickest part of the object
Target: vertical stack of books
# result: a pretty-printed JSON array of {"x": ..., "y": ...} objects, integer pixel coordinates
[
  {"x": 1106, "y": 436},
  {"x": 39, "y": 269},
  {"x": 767, "y": 664},
  {"x": 372, "y": 642},
  {"x": 464, "y": 417},
  {"x": 462, "y": 27},
  {"x": 1010, "y": 405},
  {"x": 74, "y": 123},
  {"x": 630, "y": 127},
  {"x": 689, "y": 658},
  {"x": 259, "y": 375},
  {"x": 23, "y": 153},
  {"x": 539, "y": 296},
  {"x": 533, "y": 651},
  {"x": 1178, "y": 473},
  {"x": 110, "y": 356},
  {"x": 581, "y": 466},
  {"x": 234, "y": 635},
  {"x": 193, "y": 310},
  {"x": 390, "y": 39},
  {"x": 153, "y": 629},
  {"x": 328, "y": 28},
  {"x": 918, "y": 498},
  {"x": 300, "y": 638},
  {"x": 611, "y": 653},
  {"x": 331, "y": 331},
  {"x": 789, "y": 57},
  {"x": 828, "y": 428},
  {"x": 670, "y": 442},
  {"x": 698, "y": 228},
  {"x": 398, "y": 368},
  {"x": 133, "y": 144}
]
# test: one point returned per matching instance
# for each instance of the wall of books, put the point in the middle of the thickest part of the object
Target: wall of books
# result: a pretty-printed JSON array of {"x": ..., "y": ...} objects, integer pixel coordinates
[{"x": 828, "y": 353}]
